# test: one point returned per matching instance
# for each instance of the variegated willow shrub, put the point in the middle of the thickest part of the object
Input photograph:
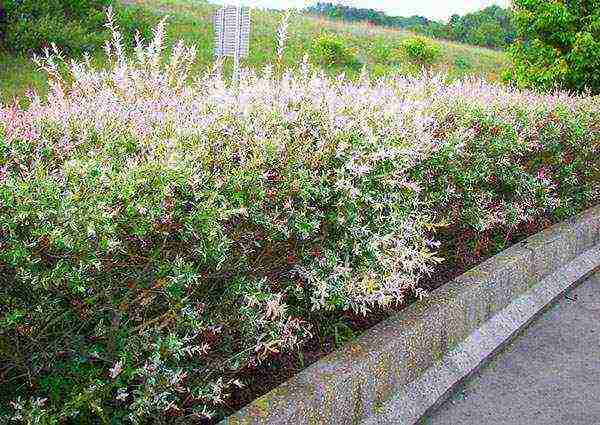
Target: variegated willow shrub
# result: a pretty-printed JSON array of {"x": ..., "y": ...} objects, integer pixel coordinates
[{"x": 160, "y": 237}]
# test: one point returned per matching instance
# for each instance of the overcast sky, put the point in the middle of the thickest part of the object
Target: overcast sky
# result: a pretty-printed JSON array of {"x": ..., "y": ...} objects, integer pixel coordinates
[{"x": 437, "y": 9}]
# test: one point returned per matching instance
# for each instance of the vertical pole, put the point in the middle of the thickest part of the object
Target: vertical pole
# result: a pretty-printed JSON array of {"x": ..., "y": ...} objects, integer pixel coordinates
[
  {"x": 222, "y": 39},
  {"x": 238, "y": 42}
]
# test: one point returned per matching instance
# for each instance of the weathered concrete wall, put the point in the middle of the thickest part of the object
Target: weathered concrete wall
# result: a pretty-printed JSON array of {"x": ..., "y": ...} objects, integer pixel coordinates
[{"x": 405, "y": 365}]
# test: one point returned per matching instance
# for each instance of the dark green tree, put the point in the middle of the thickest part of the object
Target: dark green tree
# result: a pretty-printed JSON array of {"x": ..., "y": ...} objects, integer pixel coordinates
[
  {"x": 491, "y": 27},
  {"x": 558, "y": 45},
  {"x": 488, "y": 34}
]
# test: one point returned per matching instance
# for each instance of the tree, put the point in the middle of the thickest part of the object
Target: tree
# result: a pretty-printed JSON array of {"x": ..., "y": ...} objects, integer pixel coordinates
[
  {"x": 491, "y": 27},
  {"x": 488, "y": 34},
  {"x": 557, "y": 45}
]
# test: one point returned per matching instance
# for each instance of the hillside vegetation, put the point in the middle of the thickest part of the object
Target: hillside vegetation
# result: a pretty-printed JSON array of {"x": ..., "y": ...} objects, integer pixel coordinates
[
  {"x": 491, "y": 27},
  {"x": 380, "y": 49}
]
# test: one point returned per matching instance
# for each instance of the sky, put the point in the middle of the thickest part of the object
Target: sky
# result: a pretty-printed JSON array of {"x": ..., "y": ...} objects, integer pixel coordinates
[{"x": 433, "y": 9}]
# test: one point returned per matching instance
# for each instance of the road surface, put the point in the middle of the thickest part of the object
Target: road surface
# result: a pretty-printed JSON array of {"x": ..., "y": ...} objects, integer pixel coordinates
[{"x": 550, "y": 375}]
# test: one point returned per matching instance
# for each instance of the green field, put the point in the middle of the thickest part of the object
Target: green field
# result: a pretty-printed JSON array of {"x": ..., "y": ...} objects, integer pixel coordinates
[{"x": 191, "y": 20}]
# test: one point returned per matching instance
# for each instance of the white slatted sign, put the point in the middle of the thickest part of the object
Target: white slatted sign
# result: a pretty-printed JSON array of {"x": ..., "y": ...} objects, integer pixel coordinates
[{"x": 232, "y": 32}]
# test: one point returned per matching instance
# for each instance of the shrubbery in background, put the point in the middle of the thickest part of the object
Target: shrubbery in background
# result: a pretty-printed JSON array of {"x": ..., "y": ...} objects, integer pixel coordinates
[
  {"x": 159, "y": 240},
  {"x": 558, "y": 45},
  {"x": 462, "y": 64},
  {"x": 421, "y": 51},
  {"x": 382, "y": 50},
  {"x": 74, "y": 26},
  {"x": 331, "y": 50}
]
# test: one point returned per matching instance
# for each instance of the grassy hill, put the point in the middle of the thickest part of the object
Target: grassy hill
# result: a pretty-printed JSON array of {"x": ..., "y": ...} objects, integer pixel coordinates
[{"x": 191, "y": 20}]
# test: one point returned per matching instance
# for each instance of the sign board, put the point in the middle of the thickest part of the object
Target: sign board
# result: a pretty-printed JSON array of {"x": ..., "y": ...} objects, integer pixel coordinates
[{"x": 232, "y": 32}]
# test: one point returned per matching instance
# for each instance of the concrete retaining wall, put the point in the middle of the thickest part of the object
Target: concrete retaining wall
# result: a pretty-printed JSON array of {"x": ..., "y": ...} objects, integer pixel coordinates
[{"x": 406, "y": 365}]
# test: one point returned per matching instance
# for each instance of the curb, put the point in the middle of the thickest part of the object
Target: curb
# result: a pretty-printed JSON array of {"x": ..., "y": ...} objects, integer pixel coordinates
[
  {"x": 433, "y": 388},
  {"x": 409, "y": 364}
]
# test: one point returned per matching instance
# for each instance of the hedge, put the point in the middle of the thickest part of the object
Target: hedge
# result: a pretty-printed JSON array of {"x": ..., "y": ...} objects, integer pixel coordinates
[{"x": 159, "y": 239}]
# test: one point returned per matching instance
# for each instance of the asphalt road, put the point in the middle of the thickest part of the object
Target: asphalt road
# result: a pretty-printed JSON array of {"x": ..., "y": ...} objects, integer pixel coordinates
[{"x": 550, "y": 374}]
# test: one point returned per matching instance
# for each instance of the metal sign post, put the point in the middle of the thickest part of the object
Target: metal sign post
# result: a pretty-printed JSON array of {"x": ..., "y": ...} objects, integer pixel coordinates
[{"x": 232, "y": 35}]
